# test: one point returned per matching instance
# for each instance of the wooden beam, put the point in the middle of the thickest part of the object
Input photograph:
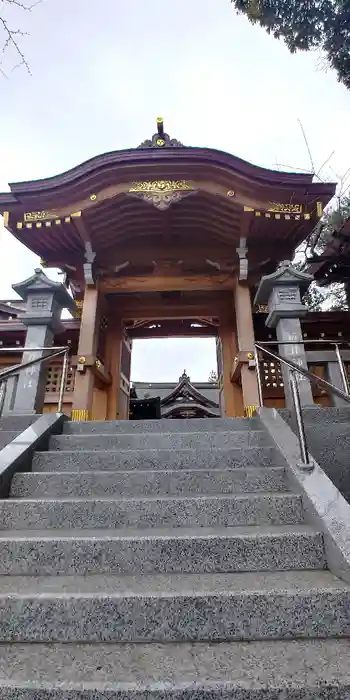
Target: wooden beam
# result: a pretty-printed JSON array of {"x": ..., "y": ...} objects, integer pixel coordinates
[
  {"x": 175, "y": 332},
  {"x": 188, "y": 252},
  {"x": 155, "y": 313},
  {"x": 81, "y": 226},
  {"x": 174, "y": 283},
  {"x": 138, "y": 308}
]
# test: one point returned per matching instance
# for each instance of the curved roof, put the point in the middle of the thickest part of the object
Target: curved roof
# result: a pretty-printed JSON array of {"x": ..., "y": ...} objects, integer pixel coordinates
[
  {"x": 160, "y": 153},
  {"x": 192, "y": 155},
  {"x": 216, "y": 200}
]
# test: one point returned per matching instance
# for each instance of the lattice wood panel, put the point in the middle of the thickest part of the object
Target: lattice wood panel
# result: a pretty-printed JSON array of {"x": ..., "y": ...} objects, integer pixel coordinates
[
  {"x": 271, "y": 375},
  {"x": 53, "y": 380}
]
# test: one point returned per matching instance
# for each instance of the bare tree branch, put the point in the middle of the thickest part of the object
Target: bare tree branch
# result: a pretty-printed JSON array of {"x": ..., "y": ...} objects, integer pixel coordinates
[
  {"x": 324, "y": 164},
  {"x": 307, "y": 146},
  {"x": 12, "y": 36}
]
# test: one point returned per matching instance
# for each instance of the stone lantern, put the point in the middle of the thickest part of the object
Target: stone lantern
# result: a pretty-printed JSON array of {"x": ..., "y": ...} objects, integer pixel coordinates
[
  {"x": 45, "y": 300},
  {"x": 282, "y": 291}
]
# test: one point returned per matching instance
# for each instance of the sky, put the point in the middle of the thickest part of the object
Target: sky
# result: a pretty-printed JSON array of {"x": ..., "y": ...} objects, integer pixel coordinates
[{"x": 101, "y": 74}]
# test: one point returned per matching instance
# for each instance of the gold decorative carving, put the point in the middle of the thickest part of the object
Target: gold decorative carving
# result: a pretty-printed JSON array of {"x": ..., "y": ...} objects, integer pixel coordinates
[
  {"x": 285, "y": 208},
  {"x": 38, "y": 215},
  {"x": 79, "y": 308},
  {"x": 230, "y": 193},
  {"x": 319, "y": 209},
  {"x": 93, "y": 197},
  {"x": 161, "y": 193},
  {"x": 160, "y": 186}
]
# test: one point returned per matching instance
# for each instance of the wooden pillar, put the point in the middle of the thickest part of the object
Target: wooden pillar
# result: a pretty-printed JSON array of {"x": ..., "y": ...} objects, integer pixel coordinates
[
  {"x": 119, "y": 364},
  {"x": 233, "y": 404},
  {"x": 88, "y": 340},
  {"x": 114, "y": 354},
  {"x": 246, "y": 341}
]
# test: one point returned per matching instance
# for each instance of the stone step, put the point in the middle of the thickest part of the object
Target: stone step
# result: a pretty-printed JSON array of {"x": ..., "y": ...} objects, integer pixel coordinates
[
  {"x": 180, "y": 550},
  {"x": 174, "y": 608},
  {"x": 18, "y": 423},
  {"x": 144, "y": 483},
  {"x": 191, "y": 425},
  {"x": 157, "y": 441},
  {"x": 126, "y": 460},
  {"x": 7, "y": 436},
  {"x": 316, "y": 415},
  {"x": 153, "y": 511},
  {"x": 269, "y": 670}
]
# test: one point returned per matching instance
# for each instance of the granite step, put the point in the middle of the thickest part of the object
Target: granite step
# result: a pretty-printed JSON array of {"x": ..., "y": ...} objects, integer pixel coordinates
[
  {"x": 153, "y": 511},
  {"x": 174, "y": 608},
  {"x": 191, "y": 425},
  {"x": 6, "y": 436},
  {"x": 17, "y": 423},
  {"x": 158, "y": 441},
  {"x": 147, "y": 483},
  {"x": 180, "y": 550},
  {"x": 126, "y": 460},
  {"x": 270, "y": 670},
  {"x": 316, "y": 415}
]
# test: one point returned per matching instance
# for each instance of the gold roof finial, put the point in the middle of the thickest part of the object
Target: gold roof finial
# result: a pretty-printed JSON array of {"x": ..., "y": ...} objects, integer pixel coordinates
[
  {"x": 160, "y": 129},
  {"x": 160, "y": 139}
]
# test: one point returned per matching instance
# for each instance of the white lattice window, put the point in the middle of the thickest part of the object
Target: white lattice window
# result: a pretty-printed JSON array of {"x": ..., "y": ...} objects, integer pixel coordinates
[
  {"x": 53, "y": 381},
  {"x": 271, "y": 375}
]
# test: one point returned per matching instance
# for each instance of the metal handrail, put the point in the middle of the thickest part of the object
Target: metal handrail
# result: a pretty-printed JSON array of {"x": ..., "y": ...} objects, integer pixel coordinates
[
  {"x": 294, "y": 369},
  {"x": 54, "y": 352}
]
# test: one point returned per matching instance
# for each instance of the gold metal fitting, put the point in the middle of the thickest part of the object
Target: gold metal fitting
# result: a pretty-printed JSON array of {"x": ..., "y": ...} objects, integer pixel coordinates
[
  {"x": 160, "y": 120},
  {"x": 81, "y": 360},
  {"x": 98, "y": 364},
  {"x": 250, "y": 356}
]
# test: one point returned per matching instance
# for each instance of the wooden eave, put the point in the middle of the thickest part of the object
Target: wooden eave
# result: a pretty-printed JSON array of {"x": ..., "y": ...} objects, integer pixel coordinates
[
  {"x": 113, "y": 219},
  {"x": 256, "y": 185}
]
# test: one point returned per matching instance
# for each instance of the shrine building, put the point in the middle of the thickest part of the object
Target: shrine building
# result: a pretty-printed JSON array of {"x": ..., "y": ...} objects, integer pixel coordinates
[{"x": 159, "y": 241}]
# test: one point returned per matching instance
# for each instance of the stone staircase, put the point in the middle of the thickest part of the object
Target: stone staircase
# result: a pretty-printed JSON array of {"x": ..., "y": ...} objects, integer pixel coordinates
[
  {"x": 166, "y": 559},
  {"x": 12, "y": 426},
  {"x": 328, "y": 436}
]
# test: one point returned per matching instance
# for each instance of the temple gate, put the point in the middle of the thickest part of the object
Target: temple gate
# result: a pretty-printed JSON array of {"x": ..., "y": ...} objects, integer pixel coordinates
[{"x": 161, "y": 241}]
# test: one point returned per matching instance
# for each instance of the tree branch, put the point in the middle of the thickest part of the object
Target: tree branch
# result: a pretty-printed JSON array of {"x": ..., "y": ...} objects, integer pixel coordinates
[
  {"x": 308, "y": 147},
  {"x": 12, "y": 35}
]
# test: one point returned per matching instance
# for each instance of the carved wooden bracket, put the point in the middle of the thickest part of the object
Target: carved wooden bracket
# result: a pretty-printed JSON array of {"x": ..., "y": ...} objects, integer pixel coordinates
[{"x": 243, "y": 261}]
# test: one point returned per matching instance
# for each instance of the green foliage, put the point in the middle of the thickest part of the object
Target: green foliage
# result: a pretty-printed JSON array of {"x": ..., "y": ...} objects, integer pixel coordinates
[
  {"x": 306, "y": 25},
  {"x": 333, "y": 297}
]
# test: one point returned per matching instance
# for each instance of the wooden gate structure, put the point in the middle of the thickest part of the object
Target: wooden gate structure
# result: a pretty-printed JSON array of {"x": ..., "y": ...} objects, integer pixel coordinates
[{"x": 158, "y": 241}]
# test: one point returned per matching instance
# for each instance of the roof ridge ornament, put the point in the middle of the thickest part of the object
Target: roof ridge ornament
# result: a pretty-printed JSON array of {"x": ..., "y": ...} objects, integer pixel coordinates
[{"x": 160, "y": 139}]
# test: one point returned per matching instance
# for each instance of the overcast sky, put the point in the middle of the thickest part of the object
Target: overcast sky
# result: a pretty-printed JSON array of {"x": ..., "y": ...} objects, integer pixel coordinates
[{"x": 101, "y": 74}]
